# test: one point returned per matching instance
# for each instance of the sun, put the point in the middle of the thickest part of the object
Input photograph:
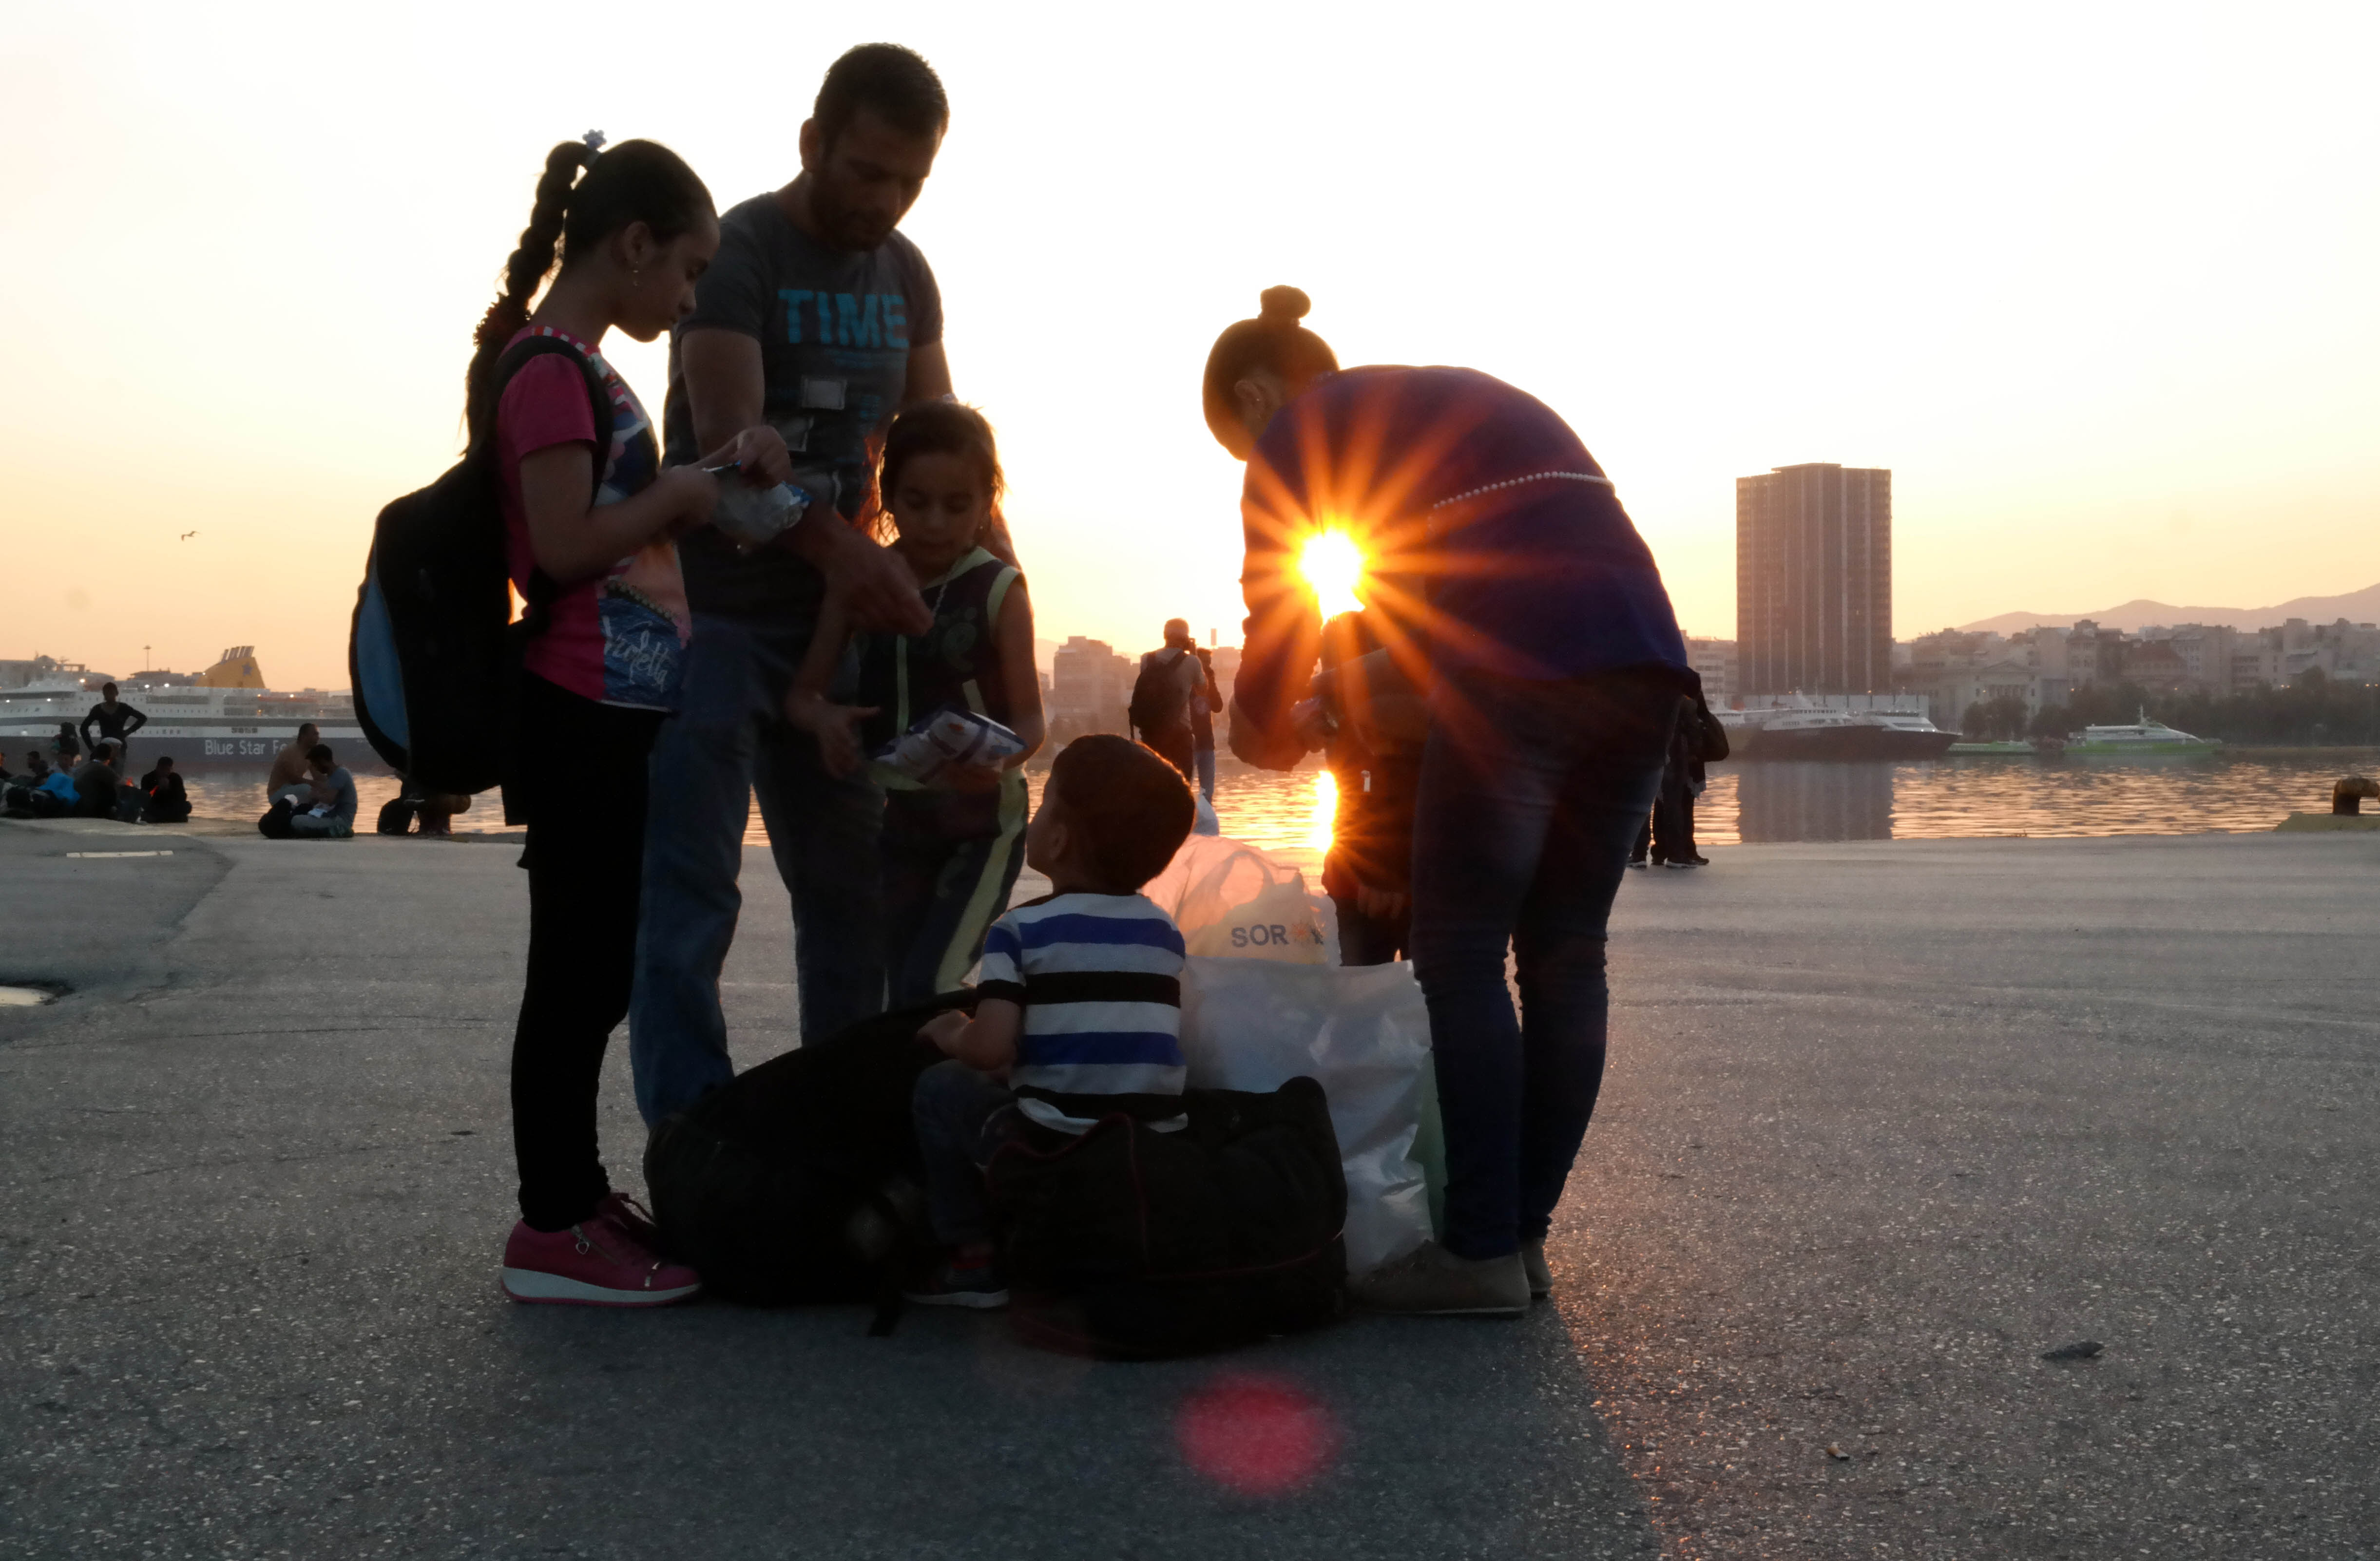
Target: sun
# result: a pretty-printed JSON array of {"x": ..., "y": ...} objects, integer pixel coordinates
[{"x": 1333, "y": 567}]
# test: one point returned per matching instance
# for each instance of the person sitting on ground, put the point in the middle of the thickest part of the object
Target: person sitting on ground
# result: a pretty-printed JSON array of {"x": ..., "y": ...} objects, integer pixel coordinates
[
  {"x": 165, "y": 799},
  {"x": 1161, "y": 692},
  {"x": 117, "y": 722},
  {"x": 40, "y": 791},
  {"x": 289, "y": 767},
  {"x": 1079, "y": 1003},
  {"x": 97, "y": 782},
  {"x": 53, "y": 796},
  {"x": 331, "y": 813}
]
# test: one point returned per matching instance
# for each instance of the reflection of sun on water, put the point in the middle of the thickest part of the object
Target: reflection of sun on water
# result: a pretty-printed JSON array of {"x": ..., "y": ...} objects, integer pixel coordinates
[
  {"x": 1334, "y": 565},
  {"x": 1326, "y": 806}
]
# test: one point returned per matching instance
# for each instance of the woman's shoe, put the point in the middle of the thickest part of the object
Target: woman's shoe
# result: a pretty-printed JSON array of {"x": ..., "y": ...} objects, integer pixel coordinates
[{"x": 1432, "y": 1282}]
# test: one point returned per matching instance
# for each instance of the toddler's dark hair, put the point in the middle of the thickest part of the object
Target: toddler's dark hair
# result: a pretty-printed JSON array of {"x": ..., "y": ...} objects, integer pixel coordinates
[{"x": 1132, "y": 807}]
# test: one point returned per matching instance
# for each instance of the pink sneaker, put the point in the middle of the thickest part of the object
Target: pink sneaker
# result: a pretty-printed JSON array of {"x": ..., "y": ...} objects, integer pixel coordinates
[{"x": 598, "y": 1261}]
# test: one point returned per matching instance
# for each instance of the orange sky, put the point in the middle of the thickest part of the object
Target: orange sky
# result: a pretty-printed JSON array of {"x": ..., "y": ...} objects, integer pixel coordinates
[{"x": 2094, "y": 282}]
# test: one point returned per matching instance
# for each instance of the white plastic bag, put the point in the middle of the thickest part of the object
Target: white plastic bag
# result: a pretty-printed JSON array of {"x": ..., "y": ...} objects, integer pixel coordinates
[
  {"x": 1230, "y": 898},
  {"x": 1363, "y": 1034},
  {"x": 1264, "y": 999}
]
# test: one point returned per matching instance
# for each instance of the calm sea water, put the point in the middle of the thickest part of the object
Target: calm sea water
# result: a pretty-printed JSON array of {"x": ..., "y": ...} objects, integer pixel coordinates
[{"x": 2250, "y": 790}]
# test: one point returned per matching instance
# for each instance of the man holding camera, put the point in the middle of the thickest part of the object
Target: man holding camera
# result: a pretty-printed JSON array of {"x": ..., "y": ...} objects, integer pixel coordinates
[{"x": 1165, "y": 697}]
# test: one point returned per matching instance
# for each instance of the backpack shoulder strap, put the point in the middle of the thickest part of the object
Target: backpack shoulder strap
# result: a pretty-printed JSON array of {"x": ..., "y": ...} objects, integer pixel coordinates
[
  {"x": 599, "y": 394},
  {"x": 540, "y": 592}
]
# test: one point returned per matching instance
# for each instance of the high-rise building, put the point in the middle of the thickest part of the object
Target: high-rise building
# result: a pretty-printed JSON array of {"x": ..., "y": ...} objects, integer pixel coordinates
[{"x": 1813, "y": 580}]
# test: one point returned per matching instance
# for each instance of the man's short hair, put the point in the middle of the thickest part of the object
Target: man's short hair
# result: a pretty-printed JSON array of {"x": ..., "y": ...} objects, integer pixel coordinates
[
  {"x": 320, "y": 753},
  {"x": 894, "y": 83},
  {"x": 1177, "y": 628},
  {"x": 107, "y": 688},
  {"x": 1133, "y": 809},
  {"x": 306, "y": 726}
]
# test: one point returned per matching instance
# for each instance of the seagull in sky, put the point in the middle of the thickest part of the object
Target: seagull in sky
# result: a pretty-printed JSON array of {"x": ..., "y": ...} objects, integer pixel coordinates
[{"x": 188, "y": 534}]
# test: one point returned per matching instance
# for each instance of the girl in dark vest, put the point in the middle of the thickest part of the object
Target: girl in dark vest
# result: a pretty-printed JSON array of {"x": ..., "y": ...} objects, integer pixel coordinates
[{"x": 951, "y": 850}]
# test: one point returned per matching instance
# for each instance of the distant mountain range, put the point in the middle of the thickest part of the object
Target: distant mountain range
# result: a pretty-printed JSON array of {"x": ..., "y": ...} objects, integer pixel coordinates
[{"x": 2356, "y": 607}]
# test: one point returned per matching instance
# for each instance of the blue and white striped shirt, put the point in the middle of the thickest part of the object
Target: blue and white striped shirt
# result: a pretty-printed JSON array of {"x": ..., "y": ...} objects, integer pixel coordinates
[{"x": 1099, "y": 976}]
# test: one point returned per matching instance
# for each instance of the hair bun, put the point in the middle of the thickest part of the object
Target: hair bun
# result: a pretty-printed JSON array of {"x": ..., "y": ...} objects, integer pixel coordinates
[{"x": 1282, "y": 308}]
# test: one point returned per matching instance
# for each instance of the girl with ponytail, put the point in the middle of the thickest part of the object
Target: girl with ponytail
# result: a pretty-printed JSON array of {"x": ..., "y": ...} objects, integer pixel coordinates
[{"x": 590, "y": 523}]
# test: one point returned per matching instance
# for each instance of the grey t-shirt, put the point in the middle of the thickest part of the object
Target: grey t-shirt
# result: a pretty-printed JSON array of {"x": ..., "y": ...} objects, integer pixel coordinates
[
  {"x": 342, "y": 786},
  {"x": 835, "y": 328}
]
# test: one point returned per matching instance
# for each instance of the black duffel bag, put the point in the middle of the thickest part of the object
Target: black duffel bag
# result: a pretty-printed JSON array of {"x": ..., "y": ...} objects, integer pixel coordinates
[
  {"x": 1131, "y": 1243},
  {"x": 799, "y": 1180}
]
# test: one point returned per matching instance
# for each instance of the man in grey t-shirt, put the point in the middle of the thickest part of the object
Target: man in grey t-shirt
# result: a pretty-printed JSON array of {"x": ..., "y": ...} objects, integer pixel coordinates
[{"x": 819, "y": 319}]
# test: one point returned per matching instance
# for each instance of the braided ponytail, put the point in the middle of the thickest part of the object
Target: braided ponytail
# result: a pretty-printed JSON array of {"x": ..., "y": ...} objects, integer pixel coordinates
[
  {"x": 636, "y": 181},
  {"x": 524, "y": 272}
]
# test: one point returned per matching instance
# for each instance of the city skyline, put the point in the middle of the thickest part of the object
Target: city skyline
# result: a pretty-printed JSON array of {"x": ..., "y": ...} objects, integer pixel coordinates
[{"x": 2085, "y": 391}]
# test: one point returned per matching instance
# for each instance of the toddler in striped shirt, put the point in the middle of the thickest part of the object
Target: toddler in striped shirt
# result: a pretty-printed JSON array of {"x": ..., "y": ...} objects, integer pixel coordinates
[{"x": 1078, "y": 1013}]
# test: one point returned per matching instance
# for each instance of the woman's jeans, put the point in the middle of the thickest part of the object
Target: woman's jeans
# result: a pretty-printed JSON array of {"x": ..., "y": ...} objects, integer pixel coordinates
[
  {"x": 580, "y": 788},
  {"x": 1531, "y": 794}
]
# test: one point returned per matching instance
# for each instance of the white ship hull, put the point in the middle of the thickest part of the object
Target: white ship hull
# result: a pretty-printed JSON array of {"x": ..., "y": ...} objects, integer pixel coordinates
[{"x": 195, "y": 725}]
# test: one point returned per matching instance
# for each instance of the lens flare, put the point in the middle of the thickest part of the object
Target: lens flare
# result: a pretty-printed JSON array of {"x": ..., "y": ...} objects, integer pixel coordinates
[
  {"x": 1326, "y": 811},
  {"x": 1333, "y": 566},
  {"x": 1256, "y": 1435}
]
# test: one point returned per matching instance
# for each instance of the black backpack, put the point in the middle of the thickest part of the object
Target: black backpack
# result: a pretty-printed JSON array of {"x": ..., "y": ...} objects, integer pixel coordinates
[
  {"x": 1160, "y": 702},
  {"x": 1134, "y": 1244},
  {"x": 800, "y": 1181},
  {"x": 430, "y": 652}
]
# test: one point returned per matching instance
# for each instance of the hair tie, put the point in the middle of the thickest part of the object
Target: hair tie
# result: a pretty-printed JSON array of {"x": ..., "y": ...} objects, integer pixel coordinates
[{"x": 594, "y": 139}]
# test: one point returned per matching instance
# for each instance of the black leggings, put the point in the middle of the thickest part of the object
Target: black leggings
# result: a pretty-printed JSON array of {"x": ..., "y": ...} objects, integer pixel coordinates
[{"x": 580, "y": 787}]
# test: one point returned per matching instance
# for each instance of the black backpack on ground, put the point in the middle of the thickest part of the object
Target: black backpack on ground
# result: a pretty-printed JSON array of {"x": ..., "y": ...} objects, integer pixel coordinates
[
  {"x": 429, "y": 651},
  {"x": 1134, "y": 1243},
  {"x": 1161, "y": 700},
  {"x": 800, "y": 1181}
]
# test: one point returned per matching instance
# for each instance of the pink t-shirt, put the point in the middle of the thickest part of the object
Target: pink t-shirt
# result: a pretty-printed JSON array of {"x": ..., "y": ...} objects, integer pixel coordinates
[{"x": 619, "y": 639}]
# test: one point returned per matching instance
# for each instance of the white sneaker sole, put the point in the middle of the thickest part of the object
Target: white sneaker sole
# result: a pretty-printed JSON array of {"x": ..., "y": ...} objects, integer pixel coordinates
[
  {"x": 534, "y": 1285},
  {"x": 974, "y": 1300}
]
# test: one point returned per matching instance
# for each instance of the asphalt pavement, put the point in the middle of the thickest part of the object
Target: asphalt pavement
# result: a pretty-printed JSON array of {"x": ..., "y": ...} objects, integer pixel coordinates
[{"x": 1885, "y": 1124}]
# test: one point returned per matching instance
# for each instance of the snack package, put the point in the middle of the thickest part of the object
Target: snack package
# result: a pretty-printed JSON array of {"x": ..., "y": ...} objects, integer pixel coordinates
[
  {"x": 948, "y": 737},
  {"x": 756, "y": 516}
]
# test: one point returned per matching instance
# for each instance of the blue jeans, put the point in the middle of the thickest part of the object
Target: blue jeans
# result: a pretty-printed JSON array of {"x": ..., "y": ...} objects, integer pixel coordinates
[
  {"x": 1206, "y": 758},
  {"x": 962, "y": 1117},
  {"x": 1531, "y": 794},
  {"x": 727, "y": 742}
]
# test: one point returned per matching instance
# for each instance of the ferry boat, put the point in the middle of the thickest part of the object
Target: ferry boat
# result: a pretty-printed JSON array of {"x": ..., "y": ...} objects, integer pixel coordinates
[
  {"x": 2140, "y": 737},
  {"x": 1807, "y": 731},
  {"x": 227, "y": 716}
]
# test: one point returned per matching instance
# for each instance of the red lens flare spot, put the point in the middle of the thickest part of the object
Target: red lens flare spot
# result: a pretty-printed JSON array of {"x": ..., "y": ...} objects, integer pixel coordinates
[{"x": 1256, "y": 1435}]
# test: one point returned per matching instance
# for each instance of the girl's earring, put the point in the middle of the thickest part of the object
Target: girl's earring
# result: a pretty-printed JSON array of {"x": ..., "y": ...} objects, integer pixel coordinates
[{"x": 636, "y": 276}]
